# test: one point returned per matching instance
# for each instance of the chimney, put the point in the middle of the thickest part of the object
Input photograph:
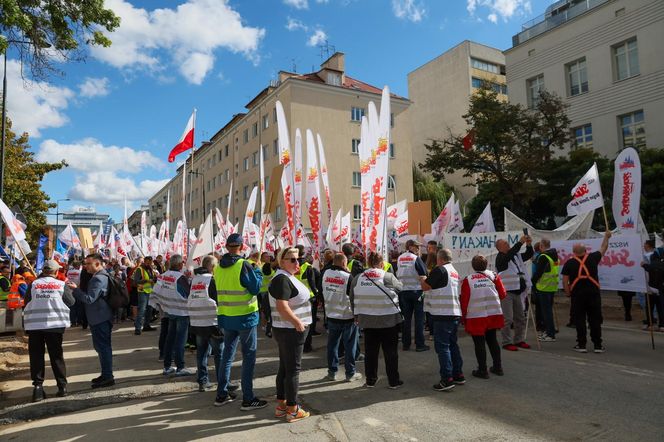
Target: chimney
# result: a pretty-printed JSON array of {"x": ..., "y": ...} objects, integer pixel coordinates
[{"x": 335, "y": 62}]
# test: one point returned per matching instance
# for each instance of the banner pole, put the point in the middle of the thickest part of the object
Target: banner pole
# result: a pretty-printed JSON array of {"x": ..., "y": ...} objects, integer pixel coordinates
[{"x": 606, "y": 220}]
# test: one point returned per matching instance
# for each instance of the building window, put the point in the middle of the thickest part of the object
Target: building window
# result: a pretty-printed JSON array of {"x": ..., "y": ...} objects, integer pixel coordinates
[
  {"x": 278, "y": 213},
  {"x": 497, "y": 87},
  {"x": 228, "y": 175},
  {"x": 265, "y": 152},
  {"x": 633, "y": 129},
  {"x": 357, "y": 179},
  {"x": 391, "y": 182},
  {"x": 392, "y": 150},
  {"x": 356, "y": 113},
  {"x": 245, "y": 136},
  {"x": 274, "y": 115},
  {"x": 275, "y": 147},
  {"x": 254, "y": 130},
  {"x": 355, "y": 146},
  {"x": 334, "y": 78},
  {"x": 357, "y": 212},
  {"x": 583, "y": 136},
  {"x": 392, "y": 119},
  {"x": 245, "y": 163},
  {"x": 484, "y": 66},
  {"x": 626, "y": 59},
  {"x": 535, "y": 86},
  {"x": 254, "y": 158},
  {"x": 219, "y": 159},
  {"x": 577, "y": 77},
  {"x": 267, "y": 182},
  {"x": 209, "y": 163},
  {"x": 226, "y": 150},
  {"x": 266, "y": 121},
  {"x": 245, "y": 192}
]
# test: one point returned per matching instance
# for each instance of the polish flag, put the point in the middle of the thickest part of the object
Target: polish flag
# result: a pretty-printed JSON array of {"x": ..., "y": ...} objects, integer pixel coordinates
[{"x": 186, "y": 141}]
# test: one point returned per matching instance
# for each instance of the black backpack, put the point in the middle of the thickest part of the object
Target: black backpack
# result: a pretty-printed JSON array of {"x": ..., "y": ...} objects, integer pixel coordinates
[{"x": 116, "y": 295}]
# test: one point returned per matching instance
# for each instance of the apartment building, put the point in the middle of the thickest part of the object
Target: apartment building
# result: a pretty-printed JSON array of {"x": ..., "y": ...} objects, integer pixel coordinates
[
  {"x": 605, "y": 58},
  {"x": 328, "y": 102}
]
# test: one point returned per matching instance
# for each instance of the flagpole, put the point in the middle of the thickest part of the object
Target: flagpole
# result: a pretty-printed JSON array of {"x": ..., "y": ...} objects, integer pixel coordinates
[{"x": 606, "y": 220}]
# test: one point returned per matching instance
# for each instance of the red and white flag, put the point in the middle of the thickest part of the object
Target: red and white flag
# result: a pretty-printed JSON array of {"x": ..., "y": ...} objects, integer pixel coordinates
[
  {"x": 287, "y": 180},
  {"x": 186, "y": 140},
  {"x": 587, "y": 194},
  {"x": 627, "y": 190},
  {"x": 323, "y": 174},
  {"x": 313, "y": 201},
  {"x": 14, "y": 226}
]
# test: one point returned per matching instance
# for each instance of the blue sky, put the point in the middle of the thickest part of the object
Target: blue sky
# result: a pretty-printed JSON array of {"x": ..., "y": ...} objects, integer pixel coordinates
[{"x": 115, "y": 117}]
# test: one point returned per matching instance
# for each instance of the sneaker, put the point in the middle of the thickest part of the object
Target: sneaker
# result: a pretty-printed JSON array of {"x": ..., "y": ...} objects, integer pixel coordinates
[
  {"x": 523, "y": 344},
  {"x": 168, "y": 371},
  {"x": 185, "y": 372},
  {"x": 296, "y": 415},
  {"x": 360, "y": 358},
  {"x": 547, "y": 338},
  {"x": 281, "y": 409},
  {"x": 423, "y": 348},
  {"x": 444, "y": 385},
  {"x": 233, "y": 387},
  {"x": 108, "y": 382},
  {"x": 204, "y": 387},
  {"x": 370, "y": 384},
  {"x": 497, "y": 371},
  {"x": 599, "y": 349},
  {"x": 149, "y": 328},
  {"x": 137, "y": 332},
  {"x": 330, "y": 377},
  {"x": 580, "y": 349},
  {"x": 460, "y": 380},
  {"x": 219, "y": 401},
  {"x": 354, "y": 377},
  {"x": 395, "y": 386},
  {"x": 256, "y": 404},
  {"x": 482, "y": 374},
  {"x": 511, "y": 347}
]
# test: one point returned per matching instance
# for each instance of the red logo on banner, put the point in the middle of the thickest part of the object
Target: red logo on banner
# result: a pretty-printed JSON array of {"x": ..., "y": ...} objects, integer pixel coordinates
[
  {"x": 628, "y": 187},
  {"x": 581, "y": 190}
]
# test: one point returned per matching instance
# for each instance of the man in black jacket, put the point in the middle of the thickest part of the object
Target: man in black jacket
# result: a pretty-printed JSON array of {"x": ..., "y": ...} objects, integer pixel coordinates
[{"x": 545, "y": 286}]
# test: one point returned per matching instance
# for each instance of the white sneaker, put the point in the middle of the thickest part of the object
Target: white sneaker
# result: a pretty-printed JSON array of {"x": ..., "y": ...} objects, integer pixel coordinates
[
  {"x": 169, "y": 370},
  {"x": 547, "y": 338},
  {"x": 355, "y": 377},
  {"x": 185, "y": 372}
]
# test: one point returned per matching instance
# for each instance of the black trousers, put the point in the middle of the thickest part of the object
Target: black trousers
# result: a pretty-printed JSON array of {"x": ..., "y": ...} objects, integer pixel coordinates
[
  {"x": 291, "y": 345},
  {"x": 587, "y": 305},
  {"x": 627, "y": 302},
  {"x": 37, "y": 340},
  {"x": 655, "y": 302},
  {"x": 312, "y": 327},
  {"x": 388, "y": 340},
  {"x": 489, "y": 339}
]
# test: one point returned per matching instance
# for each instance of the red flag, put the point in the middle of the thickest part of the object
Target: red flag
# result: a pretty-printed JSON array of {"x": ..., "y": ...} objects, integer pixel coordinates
[
  {"x": 186, "y": 141},
  {"x": 469, "y": 140}
]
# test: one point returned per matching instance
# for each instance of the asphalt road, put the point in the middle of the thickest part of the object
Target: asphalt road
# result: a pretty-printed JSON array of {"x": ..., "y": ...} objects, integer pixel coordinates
[{"x": 553, "y": 394}]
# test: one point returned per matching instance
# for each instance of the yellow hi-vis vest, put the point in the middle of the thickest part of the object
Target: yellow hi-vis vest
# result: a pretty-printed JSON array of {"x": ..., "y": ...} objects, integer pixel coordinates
[
  {"x": 548, "y": 282},
  {"x": 146, "y": 287},
  {"x": 303, "y": 280},
  {"x": 4, "y": 294},
  {"x": 387, "y": 266},
  {"x": 233, "y": 299},
  {"x": 267, "y": 279}
]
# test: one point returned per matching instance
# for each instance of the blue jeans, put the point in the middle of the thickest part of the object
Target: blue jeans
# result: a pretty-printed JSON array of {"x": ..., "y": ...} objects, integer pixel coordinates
[
  {"x": 206, "y": 344},
  {"x": 247, "y": 339},
  {"x": 335, "y": 333},
  {"x": 546, "y": 305},
  {"x": 101, "y": 341},
  {"x": 178, "y": 328},
  {"x": 144, "y": 312},
  {"x": 445, "y": 342},
  {"x": 411, "y": 304}
]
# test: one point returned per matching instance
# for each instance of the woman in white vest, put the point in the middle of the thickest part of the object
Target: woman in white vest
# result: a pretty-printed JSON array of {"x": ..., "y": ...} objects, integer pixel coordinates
[
  {"x": 202, "y": 306},
  {"x": 376, "y": 305},
  {"x": 341, "y": 325},
  {"x": 482, "y": 316},
  {"x": 45, "y": 317},
  {"x": 441, "y": 302},
  {"x": 291, "y": 316}
]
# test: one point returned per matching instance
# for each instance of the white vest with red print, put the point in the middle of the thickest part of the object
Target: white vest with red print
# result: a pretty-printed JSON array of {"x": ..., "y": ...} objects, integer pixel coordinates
[
  {"x": 46, "y": 308},
  {"x": 484, "y": 300},
  {"x": 445, "y": 300},
  {"x": 167, "y": 295},
  {"x": 407, "y": 273},
  {"x": 337, "y": 302},
  {"x": 370, "y": 299},
  {"x": 202, "y": 309}
]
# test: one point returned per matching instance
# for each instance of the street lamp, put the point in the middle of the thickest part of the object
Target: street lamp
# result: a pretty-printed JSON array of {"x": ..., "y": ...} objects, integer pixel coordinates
[{"x": 57, "y": 214}]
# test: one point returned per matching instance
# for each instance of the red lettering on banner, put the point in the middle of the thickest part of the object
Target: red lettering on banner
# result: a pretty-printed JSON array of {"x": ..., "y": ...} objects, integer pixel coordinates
[
  {"x": 581, "y": 190},
  {"x": 611, "y": 258},
  {"x": 628, "y": 188}
]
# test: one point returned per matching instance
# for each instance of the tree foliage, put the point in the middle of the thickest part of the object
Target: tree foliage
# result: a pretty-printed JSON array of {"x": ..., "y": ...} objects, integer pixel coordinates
[
  {"x": 53, "y": 29},
  {"x": 512, "y": 146},
  {"x": 22, "y": 188},
  {"x": 425, "y": 188}
]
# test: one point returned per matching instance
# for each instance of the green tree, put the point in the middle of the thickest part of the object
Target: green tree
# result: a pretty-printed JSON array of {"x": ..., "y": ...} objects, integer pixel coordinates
[
  {"x": 53, "y": 28},
  {"x": 652, "y": 188},
  {"x": 511, "y": 149},
  {"x": 426, "y": 188},
  {"x": 22, "y": 188}
]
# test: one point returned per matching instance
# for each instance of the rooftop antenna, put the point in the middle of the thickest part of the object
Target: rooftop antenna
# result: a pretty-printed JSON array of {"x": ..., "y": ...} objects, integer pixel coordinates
[
  {"x": 293, "y": 65},
  {"x": 326, "y": 50}
]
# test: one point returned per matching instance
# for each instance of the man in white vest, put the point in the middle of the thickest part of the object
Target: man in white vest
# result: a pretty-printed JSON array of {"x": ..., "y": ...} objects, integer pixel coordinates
[
  {"x": 510, "y": 265},
  {"x": 441, "y": 301},
  {"x": 202, "y": 305},
  {"x": 341, "y": 324},
  {"x": 410, "y": 271},
  {"x": 45, "y": 317}
]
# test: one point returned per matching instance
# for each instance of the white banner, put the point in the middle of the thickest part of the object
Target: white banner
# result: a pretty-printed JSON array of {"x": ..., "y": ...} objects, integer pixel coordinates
[
  {"x": 313, "y": 202},
  {"x": 620, "y": 268},
  {"x": 587, "y": 194},
  {"x": 627, "y": 190},
  {"x": 484, "y": 223},
  {"x": 466, "y": 245}
]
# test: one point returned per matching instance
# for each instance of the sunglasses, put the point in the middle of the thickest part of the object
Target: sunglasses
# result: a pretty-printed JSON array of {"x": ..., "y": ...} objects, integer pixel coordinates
[{"x": 291, "y": 260}]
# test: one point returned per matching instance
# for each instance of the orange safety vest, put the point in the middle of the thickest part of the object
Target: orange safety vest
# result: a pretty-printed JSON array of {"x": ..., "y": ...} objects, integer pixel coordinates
[
  {"x": 583, "y": 273},
  {"x": 14, "y": 298}
]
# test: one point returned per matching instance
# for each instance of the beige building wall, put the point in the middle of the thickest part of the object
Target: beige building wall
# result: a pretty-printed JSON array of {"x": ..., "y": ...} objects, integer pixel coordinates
[
  {"x": 439, "y": 92},
  {"x": 591, "y": 35},
  {"x": 308, "y": 104}
]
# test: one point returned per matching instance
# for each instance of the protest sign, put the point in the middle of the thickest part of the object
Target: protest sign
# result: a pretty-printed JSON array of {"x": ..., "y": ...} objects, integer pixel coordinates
[{"x": 466, "y": 245}]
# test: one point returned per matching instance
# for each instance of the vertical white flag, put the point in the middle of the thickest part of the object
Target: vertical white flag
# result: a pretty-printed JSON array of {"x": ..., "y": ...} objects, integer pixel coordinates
[
  {"x": 313, "y": 196},
  {"x": 456, "y": 225},
  {"x": 587, "y": 194},
  {"x": 484, "y": 223},
  {"x": 297, "y": 179},
  {"x": 287, "y": 175},
  {"x": 444, "y": 219},
  {"x": 203, "y": 245},
  {"x": 323, "y": 175},
  {"x": 627, "y": 190}
]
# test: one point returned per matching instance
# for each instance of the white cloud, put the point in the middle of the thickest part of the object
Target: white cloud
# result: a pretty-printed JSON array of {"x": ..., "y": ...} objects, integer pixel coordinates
[
  {"x": 408, "y": 10},
  {"x": 318, "y": 37},
  {"x": 294, "y": 24},
  {"x": 297, "y": 4},
  {"x": 505, "y": 9},
  {"x": 191, "y": 32},
  {"x": 89, "y": 155},
  {"x": 108, "y": 188},
  {"x": 94, "y": 87},
  {"x": 34, "y": 105}
]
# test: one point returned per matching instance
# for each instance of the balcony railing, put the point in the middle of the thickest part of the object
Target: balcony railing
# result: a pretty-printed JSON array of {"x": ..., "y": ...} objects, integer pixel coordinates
[{"x": 545, "y": 22}]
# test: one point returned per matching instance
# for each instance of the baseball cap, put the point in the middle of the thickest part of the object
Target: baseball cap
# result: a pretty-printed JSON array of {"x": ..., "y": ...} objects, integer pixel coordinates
[
  {"x": 51, "y": 264},
  {"x": 412, "y": 242},
  {"x": 234, "y": 239}
]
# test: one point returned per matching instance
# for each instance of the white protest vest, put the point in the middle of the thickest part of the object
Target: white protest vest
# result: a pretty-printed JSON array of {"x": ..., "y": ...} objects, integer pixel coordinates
[
  {"x": 510, "y": 276},
  {"x": 444, "y": 301},
  {"x": 406, "y": 271},
  {"x": 46, "y": 308},
  {"x": 299, "y": 304},
  {"x": 74, "y": 275},
  {"x": 337, "y": 302},
  {"x": 202, "y": 309},
  {"x": 370, "y": 299},
  {"x": 484, "y": 300},
  {"x": 168, "y": 297}
]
